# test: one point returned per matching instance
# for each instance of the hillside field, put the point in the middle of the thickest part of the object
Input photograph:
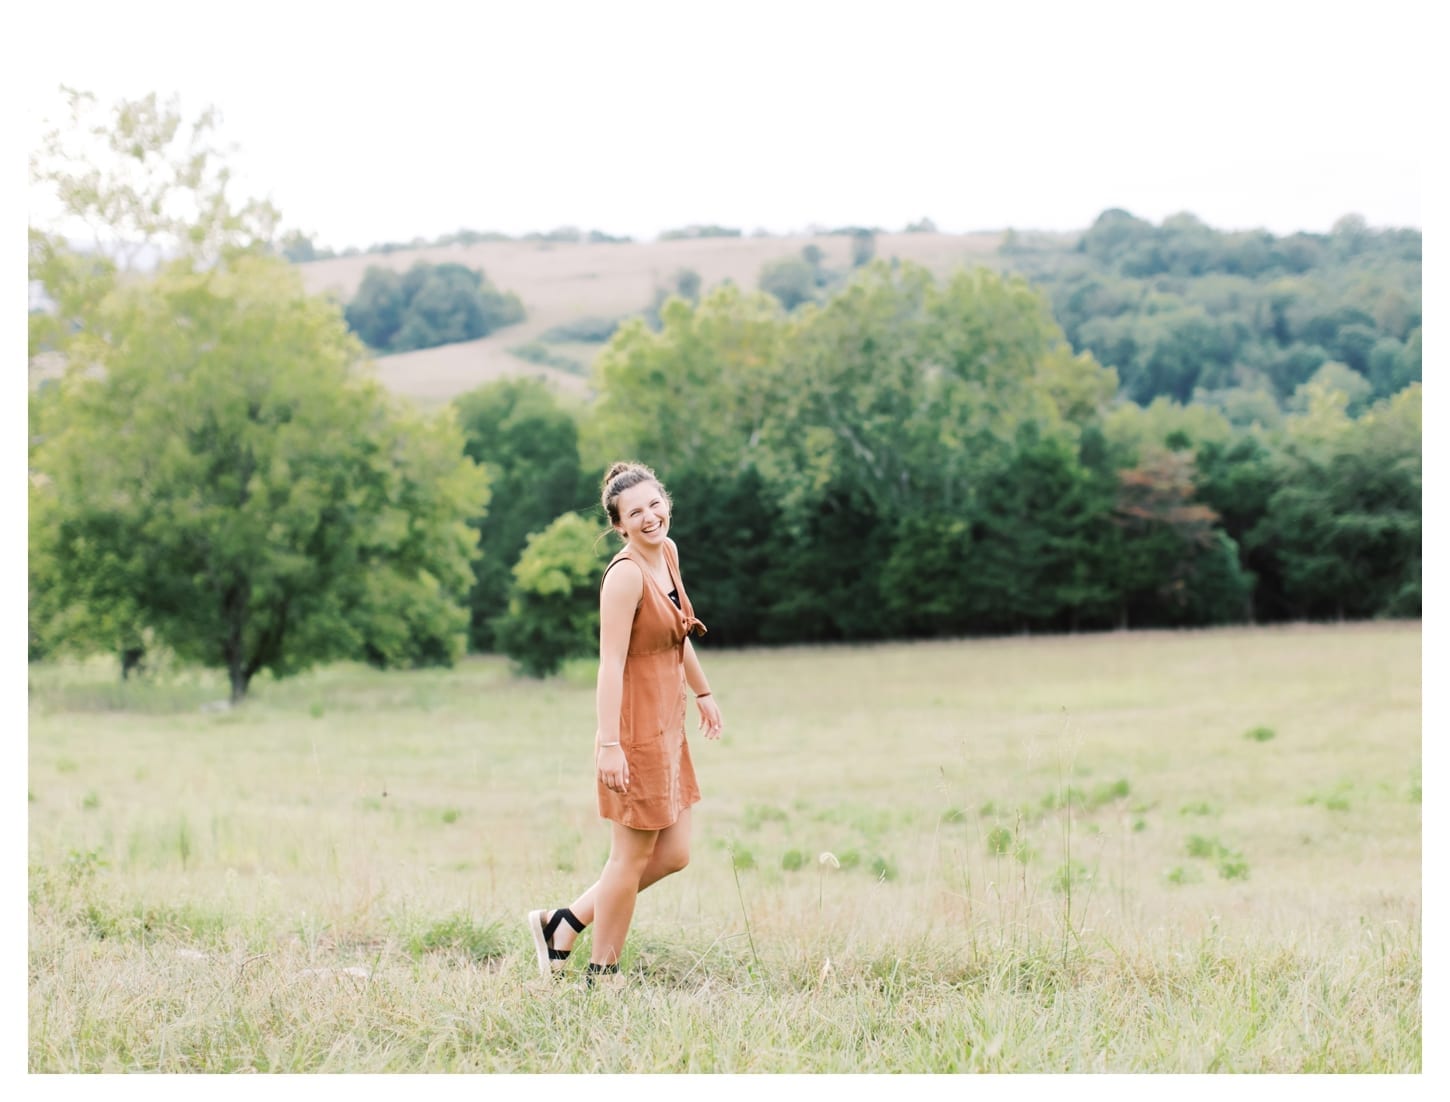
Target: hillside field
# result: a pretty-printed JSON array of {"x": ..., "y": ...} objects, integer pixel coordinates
[
  {"x": 560, "y": 282},
  {"x": 1129, "y": 852}
]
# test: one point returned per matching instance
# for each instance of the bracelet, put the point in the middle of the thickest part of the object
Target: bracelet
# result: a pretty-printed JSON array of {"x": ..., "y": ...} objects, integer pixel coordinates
[
  {"x": 702, "y": 696},
  {"x": 603, "y": 745}
]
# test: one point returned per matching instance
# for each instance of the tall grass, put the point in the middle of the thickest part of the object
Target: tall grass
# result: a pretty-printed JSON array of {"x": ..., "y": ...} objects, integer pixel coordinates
[{"x": 1057, "y": 854}]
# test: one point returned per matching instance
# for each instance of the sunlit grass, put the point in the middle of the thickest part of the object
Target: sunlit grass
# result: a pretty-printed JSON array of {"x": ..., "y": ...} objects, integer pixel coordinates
[{"x": 1044, "y": 854}]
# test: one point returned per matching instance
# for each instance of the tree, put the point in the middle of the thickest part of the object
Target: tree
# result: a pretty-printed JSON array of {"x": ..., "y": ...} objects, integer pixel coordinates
[
  {"x": 824, "y": 580},
  {"x": 253, "y": 501},
  {"x": 84, "y": 605},
  {"x": 1116, "y": 236},
  {"x": 791, "y": 280},
  {"x": 553, "y": 610},
  {"x": 300, "y": 248},
  {"x": 728, "y": 528},
  {"x": 693, "y": 396},
  {"x": 906, "y": 390},
  {"x": 1236, "y": 478},
  {"x": 1394, "y": 366},
  {"x": 375, "y": 313},
  {"x": 121, "y": 188},
  {"x": 527, "y": 442},
  {"x": 685, "y": 283},
  {"x": 1333, "y": 376},
  {"x": 1345, "y": 520},
  {"x": 1175, "y": 565},
  {"x": 863, "y": 248},
  {"x": 892, "y": 406},
  {"x": 429, "y": 305},
  {"x": 145, "y": 184}
]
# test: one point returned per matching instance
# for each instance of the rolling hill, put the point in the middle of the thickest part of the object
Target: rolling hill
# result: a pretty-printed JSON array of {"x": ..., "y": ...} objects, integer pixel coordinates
[{"x": 561, "y": 282}]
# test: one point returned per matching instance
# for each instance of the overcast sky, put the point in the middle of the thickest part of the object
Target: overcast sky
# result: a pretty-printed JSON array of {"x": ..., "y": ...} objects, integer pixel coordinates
[{"x": 368, "y": 122}]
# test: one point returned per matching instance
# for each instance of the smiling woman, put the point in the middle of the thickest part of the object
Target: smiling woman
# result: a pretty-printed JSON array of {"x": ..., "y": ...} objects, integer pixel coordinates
[{"x": 645, "y": 778}]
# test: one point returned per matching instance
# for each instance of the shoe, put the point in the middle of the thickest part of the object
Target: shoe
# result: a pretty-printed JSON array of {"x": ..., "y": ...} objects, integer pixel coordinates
[
  {"x": 604, "y": 977},
  {"x": 551, "y": 960}
]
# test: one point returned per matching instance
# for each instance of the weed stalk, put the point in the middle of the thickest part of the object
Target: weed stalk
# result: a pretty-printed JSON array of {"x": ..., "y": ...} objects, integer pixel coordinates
[{"x": 740, "y": 895}]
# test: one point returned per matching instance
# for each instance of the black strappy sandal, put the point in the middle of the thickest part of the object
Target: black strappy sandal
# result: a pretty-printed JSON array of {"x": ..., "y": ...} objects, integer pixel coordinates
[
  {"x": 551, "y": 960},
  {"x": 605, "y": 975}
]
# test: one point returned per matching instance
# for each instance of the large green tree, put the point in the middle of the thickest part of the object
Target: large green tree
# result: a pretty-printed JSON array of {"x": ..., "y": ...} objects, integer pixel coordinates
[
  {"x": 212, "y": 473},
  {"x": 217, "y": 471},
  {"x": 908, "y": 390},
  {"x": 693, "y": 396}
]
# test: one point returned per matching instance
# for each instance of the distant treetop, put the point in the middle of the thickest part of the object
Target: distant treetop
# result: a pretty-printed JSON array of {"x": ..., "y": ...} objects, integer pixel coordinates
[{"x": 687, "y": 233}]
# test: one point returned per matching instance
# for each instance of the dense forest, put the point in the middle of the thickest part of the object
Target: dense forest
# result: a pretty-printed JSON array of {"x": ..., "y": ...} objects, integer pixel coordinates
[
  {"x": 916, "y": 457},
  {"x": 1187, "y": 312}
]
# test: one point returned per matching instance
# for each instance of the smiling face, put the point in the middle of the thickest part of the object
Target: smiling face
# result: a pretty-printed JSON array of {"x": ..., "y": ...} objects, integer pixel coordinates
[{"x": 644, "y": 515}]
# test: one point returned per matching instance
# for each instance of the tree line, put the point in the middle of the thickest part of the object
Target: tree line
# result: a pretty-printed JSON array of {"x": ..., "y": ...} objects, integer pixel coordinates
[
  {"x": 302, "y": 248},
  {"x": 920, "y": 457},
  {"x": 906, "y": 456}
]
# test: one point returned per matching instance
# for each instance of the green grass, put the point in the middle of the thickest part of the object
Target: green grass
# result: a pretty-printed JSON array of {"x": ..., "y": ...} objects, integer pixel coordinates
[{"x": 1016, "y": 855}]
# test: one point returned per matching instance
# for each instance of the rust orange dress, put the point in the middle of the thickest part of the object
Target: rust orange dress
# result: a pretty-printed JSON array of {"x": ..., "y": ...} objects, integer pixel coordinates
[{"x": 652, "y": 709}]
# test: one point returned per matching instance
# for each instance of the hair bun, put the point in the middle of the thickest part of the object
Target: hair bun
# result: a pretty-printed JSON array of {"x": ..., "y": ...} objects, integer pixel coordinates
[{"x": 615, "y": 471}]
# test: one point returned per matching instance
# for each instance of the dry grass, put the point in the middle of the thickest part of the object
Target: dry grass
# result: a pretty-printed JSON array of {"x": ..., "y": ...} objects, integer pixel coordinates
[{"x": 1056, "y": 854}]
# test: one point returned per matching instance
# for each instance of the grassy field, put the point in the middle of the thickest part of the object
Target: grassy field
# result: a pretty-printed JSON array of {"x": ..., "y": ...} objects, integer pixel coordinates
[
  {"x": 1161, "y": 852},
  {"x": 561, "y": 282}
]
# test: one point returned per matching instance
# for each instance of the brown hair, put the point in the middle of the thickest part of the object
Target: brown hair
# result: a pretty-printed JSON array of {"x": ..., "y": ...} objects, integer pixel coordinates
[{"x": 621, "y": 477}]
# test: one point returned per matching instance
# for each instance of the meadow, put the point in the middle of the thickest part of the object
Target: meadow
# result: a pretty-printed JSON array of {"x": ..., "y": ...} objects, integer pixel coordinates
[{"x": 1133, "y": 852}]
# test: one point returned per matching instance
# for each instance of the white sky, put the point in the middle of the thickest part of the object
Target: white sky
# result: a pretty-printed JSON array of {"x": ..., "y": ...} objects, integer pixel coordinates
[{"x": 367, "y": 122}]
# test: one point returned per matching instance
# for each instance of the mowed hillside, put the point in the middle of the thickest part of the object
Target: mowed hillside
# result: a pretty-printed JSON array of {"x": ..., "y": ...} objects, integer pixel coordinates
[{"x": 559, "y": 282}]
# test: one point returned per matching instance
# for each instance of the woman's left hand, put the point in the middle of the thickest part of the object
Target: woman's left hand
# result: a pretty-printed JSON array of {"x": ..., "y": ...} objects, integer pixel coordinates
[{"x": 710, "y": 720}]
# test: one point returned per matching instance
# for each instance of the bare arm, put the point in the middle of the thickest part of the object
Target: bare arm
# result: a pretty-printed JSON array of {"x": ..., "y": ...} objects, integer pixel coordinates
[
  {"x": 711, "y": 721},
  {"x": 694, "y": 672},
  {"x": 618, "y": 598}
]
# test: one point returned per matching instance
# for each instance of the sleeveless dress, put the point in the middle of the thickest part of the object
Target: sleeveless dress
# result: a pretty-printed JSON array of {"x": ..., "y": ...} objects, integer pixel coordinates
[{"x": 652, "y": 708}]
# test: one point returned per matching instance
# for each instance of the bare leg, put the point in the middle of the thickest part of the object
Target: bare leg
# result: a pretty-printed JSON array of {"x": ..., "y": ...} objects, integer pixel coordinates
[
  {"x": 614, "y": 895},
  {"x": 671, "y": 853}
]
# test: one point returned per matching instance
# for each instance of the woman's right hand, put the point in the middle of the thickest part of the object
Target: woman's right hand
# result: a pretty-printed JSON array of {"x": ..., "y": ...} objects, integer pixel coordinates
[{"x": 613, "y": 768}]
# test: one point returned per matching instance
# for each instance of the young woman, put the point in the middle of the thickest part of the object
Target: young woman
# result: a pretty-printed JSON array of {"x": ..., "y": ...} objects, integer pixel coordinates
[{"x": 645, "y": 780}]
